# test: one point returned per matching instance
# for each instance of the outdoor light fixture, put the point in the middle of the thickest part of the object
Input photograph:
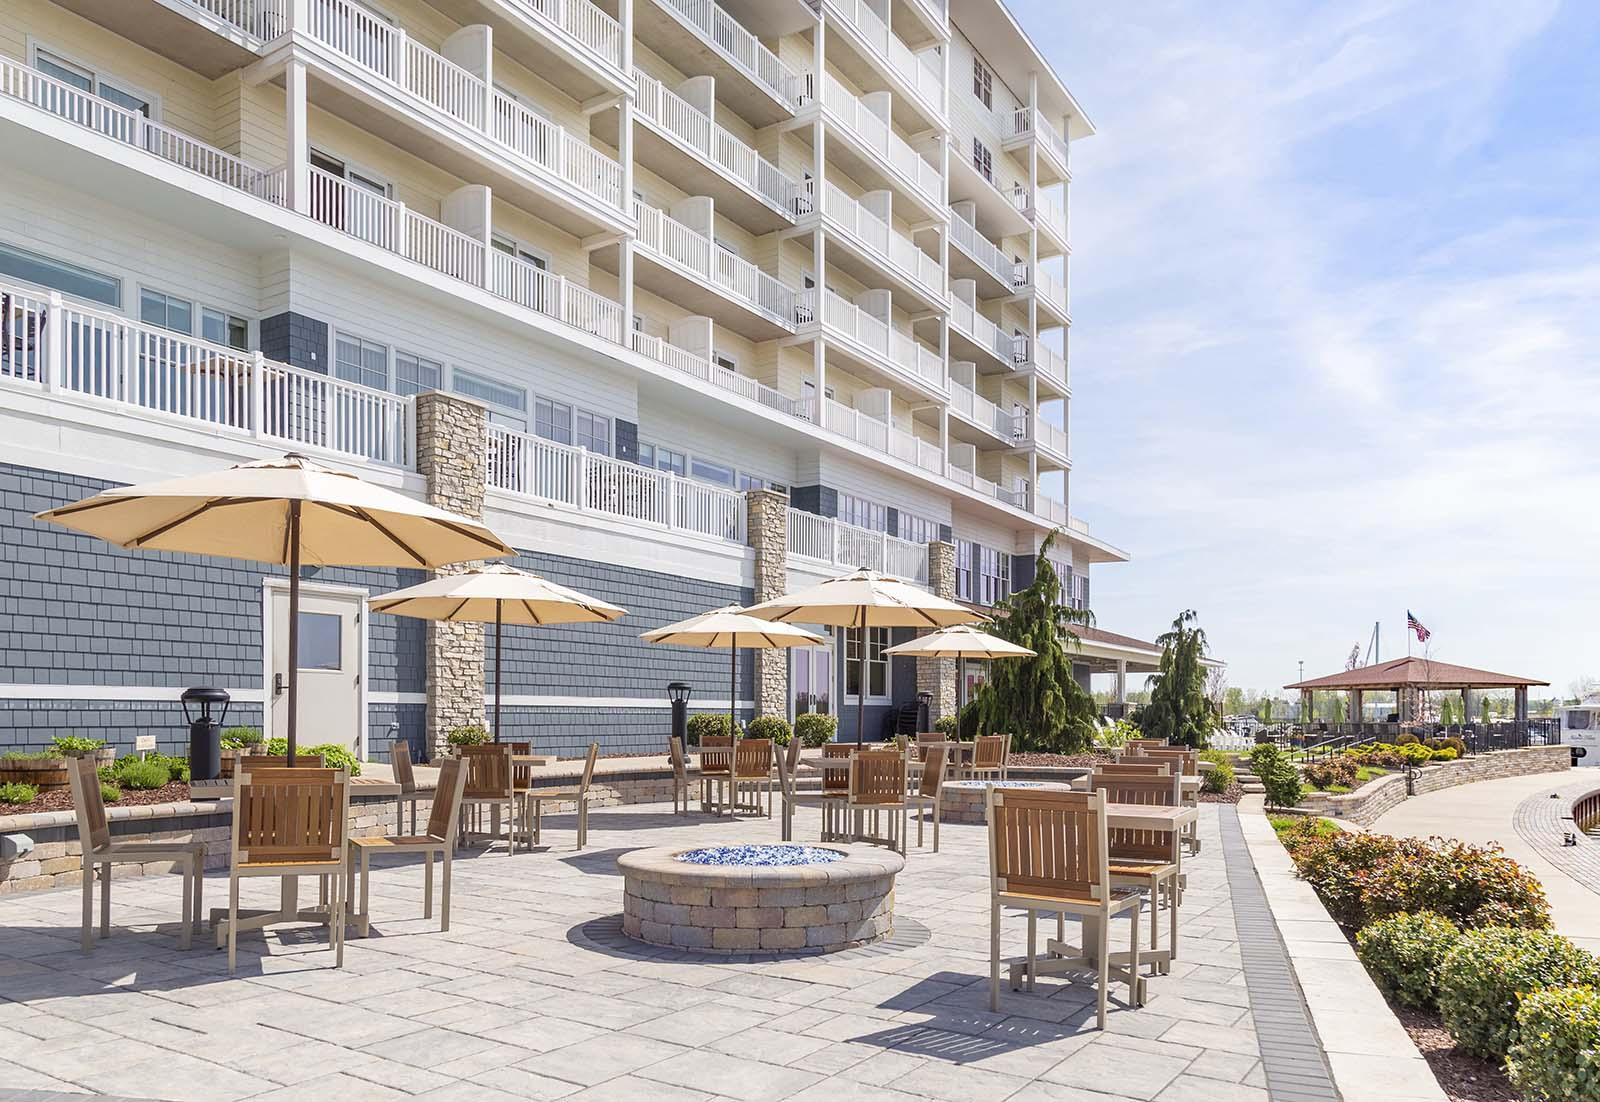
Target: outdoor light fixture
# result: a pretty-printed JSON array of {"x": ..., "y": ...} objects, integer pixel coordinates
[{"x": 678, "y": 692}]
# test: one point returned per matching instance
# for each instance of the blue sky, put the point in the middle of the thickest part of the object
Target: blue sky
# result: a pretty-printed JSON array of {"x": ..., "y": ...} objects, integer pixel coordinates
[{"x": 1336, "y": 342}]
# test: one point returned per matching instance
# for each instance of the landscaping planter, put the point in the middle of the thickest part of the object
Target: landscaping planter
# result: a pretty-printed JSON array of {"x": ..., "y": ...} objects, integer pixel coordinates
[{"x": 45, "y": 774}]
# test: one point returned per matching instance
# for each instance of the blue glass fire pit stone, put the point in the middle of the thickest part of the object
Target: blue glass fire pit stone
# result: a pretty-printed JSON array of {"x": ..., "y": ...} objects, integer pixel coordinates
[
  {"x": 765, "y": 856},
  {"x": 1004, "y": 784}
]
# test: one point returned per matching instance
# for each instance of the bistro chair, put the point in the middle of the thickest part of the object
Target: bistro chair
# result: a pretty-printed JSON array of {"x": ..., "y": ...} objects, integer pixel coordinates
[
  {"x": 1150, "y": 860},
  {"x": 1132, "y": 767},
  {"x": 536, "y": 797},
  {"x": 491, "y": 783},
  {"x": 279, "y": 761},
  {"x": 443, "y": 822},
  {"x": 716, "y": 769},
  {"x": 1149, "y": 743},
  {"x": 989, "y": 755},
  {"x": 878, "y": 785},
  {"x": 752, "y": 769},
  {"x": 100, "y": 853},
  {"x": 1186, "y": 762},
  {"x": 400, "y": 765},
  {"x": 680, "y": 775},
  {"x": 1048, "y": 853},
  {"x": 291, "y": 822},
  {"x": 928, "y": 791},
  {"x": 792, "y": 753},
  {"x": 836, "y": 786}
]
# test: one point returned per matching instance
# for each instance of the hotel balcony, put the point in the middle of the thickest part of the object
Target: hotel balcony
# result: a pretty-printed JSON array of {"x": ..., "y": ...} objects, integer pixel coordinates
[
  {"x": 1050, "y": 293},
  {"x": 1017, "y": 498},
  {"x": 881, "y": 436},
  {"x": 976, "y": 420},
  {"x": 701, "y": 38},
  {"x": 1002, "y": 205},
  {"x": 1030, "y": 126},
  {"x": 832, "y": 542},
  {"x": 861, "y": 140},
  {"x": 377, "y": 77},
  {"x": 1045, "y": 363},
  {"x": 211, "y": 37},
  {"x": 700, "y": 366},
  {"x": 867, "y": 52},
  {"x": 681, "y": 143},
  {"x": 974, "y": 337},
  {"x": 687, "y": 267},
  {"x": 867, "y": 343},
  {"x": 1056, "y": 513},
  {"x": 874, "y": 249},
  {"x": 573, "y": 44},
  {"x": 973, "y": 256},
  {"x": 931, "y": 17},
  {"x": 1048, "y": 441}
]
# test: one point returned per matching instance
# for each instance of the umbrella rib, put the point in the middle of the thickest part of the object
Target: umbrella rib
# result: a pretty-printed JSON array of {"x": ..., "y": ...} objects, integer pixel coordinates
[
  {"x": 163, "y": 529},
  {"x": 498, "y": 546},
  {"x": 394, "y": 539},
  {"x": 456, "y": 611},
  {"x": 532, "y": 613}
]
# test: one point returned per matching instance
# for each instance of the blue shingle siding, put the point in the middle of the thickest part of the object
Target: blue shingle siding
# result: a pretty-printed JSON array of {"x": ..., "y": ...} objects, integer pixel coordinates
[
  {"x": 296, "y": 339},
  {"x": 821, "y": 500}
]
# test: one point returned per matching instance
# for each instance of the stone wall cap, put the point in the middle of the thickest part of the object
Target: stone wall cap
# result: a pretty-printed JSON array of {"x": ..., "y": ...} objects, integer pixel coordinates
[{"x": 860, "y": 862}]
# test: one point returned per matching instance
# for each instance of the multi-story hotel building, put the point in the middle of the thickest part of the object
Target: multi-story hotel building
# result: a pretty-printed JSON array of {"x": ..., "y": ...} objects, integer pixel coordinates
[{"x": 694, "y": 301}]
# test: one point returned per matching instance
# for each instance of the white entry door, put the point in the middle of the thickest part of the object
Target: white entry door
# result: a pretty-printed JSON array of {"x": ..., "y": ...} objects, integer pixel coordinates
[
  {"x": 810, "y": 680},
  {"x": 330, "y": 668}
]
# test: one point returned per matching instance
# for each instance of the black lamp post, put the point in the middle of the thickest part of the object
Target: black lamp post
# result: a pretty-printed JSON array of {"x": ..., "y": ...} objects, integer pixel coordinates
[{"x": 678, "y": 693}]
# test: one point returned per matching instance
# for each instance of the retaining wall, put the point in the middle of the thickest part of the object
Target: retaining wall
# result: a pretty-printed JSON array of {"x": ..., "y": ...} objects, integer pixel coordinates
[{"x": 1367, "y": 803}]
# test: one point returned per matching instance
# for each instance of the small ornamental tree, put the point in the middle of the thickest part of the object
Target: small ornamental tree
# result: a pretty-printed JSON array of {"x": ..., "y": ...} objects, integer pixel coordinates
[
  {"x": 1178, "y": 710},
  {"x": 1036, "y": 699}
]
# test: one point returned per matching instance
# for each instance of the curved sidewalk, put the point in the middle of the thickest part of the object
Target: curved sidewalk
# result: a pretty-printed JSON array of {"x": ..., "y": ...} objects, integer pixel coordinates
[{"x": 1486, "y": 812}]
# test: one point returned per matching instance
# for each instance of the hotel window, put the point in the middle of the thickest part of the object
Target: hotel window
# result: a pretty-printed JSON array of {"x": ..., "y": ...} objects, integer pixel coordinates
[
  {"x": 966, "y": 555},
  {"x": 707, "y": 471},
  {"x": 503, "y": 244},
  {"x": 983, "y": 160},
  {"x": 166, "y": 311},
  {"x": 725, "y": 361},
  {"x": 994, "y": 575},
  {"x": 552, "y": 420},
  {"x": 863, "y": 513},
  {"x": 663, "y": 459},
  {"x": 509, "y": 404},
  {"x": 413, "y": 374},
  {"x": 755, "y": 482},
  {"x": 918, "y": 529},
  {"x": 112, "y": 91},
  {"x": 594, "y": 432},
  {"x": 982, "y": 82},
  {"x": 1080, "y": 591},
  {"x": 361, "y": 361},
  {"x": 220, "y": 327},
  {"x": 877, "y": 663},
  {"x": 69, "y": 279}
]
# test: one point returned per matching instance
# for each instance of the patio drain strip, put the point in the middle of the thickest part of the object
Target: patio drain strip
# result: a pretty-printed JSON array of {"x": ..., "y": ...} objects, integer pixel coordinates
[{"x": 1292, "y": 1057}]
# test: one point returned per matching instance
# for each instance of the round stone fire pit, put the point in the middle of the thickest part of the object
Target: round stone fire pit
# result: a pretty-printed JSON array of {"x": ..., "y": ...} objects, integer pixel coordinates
[
  {"x": 966, "y": 801},
  {"x": 759, "y": 898}
]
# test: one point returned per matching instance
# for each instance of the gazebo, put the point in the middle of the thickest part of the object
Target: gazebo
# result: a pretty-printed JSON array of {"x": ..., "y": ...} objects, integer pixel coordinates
[{"x": 1408, "y": 678}]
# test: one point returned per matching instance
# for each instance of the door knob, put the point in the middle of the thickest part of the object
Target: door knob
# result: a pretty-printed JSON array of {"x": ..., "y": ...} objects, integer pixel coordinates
[{"x": 277, "y": 684}]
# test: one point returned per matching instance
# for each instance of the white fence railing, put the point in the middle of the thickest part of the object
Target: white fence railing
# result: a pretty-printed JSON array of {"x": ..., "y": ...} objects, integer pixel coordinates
[
  {"x": 665, "y": 236},
  {"x": 658, "y": 104},
  {"x": 966, "y": 320},
  {"x": 1051, "y": 510},
  {"x": 1050, "y": 215},
  {"x": 583, "y": 22},
  {"x": 844, "y": 545},
  {"x": 1046, "y": 361},
  {"x": 1026, "y": 123},
  {"x": 728, "y": 37},
  {"x": 899, "y": 352},
  {"x": 1049, "y": 437},
  {"x": 881, "y": 436},
  {"x": 67, "y": 349},
  {"x": 878, "y": 236},
  {"x": 260, "y": 19},
  {"x": 922, "y": 73},
  {"x": 983, "y": 413},
  {"x": 533, "y": 467},
  {"x": 1050, "y": 289},
  {"x": 693, "y": 363},
  {"x": 877, "y": 135},
  {"x": 966, "y": 236}
]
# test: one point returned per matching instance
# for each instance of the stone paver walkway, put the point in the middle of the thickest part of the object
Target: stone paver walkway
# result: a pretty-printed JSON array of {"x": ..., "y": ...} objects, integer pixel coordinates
[{"x": 518, "y": 1001}]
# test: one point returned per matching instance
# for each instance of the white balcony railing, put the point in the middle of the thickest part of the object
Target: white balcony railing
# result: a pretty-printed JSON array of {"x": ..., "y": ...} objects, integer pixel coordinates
[
  {"x": 702, "y": 257},
  {"x": 881, "y": 436},
  {"x": 357, "y": 34},
  {"x": 105, "y": 360},
  {"x": 1027, "y": 123},
  {"x": 1053, "y": 511},
  {"x": 896, "y": 351},
  {"x": 1048, "y": 437},
  {"x": 583, "y": 23},
  {"x": 922, "y": 73},
  {"x": 537, "y": 468},
  {"x": 1050, "y": 215},
  {"x": 965, "y": 235},
  {"x": 984, "y": 413},
  {"x": 966, "y": 320},
  {"x": 697, "y": 365},
  {"x": 659, "y": 105},
  {"x": 260, "y": 21},
  {"x": 1051, "y": 290},
  {"x": 837, "y": 543},
  {"x": 874, "y": 132},
  {"x": 878, "y": 236},
  {"x": 1046, "y": 361},
  {"x": 729, "y": 38}
]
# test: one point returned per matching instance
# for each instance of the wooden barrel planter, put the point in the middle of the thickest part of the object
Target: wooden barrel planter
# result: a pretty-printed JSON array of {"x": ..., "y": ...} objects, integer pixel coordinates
[{"x": 45, "y": 774}]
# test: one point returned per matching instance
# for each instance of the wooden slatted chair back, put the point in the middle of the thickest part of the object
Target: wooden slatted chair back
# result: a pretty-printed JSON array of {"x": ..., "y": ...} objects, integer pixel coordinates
[
  {"x": 786, "y": 775},
  {"x": 926, "y": 737},
  {"x": 792, "y": 753},
  {"x": 990, "y": 752},
  {"x": 1150, "y": 791},
  {"x": 878, "y": 777},
  {"x": 1149, "y": 743},
  {"x": 588, "y": 766},
  {"x": 716, "y": 754},
  {"x": 932, "y": 772},
  {"x": 752, "y": 759},
  {"x": 489, "y": 770},
  {"x": 680, "y": 766},
  {"x": 836, "y": 780},
  {"x": 285, "y": 816},
  {"x": 1185, "y": 761},
  {"x": 1132, "y": 768},
  {"x": 280, "y": 761},
  {"x": 400, "y": 764},
  {"x": 1048, "y": 843},
  {"x": 93, "y": 832},
  {"x": 445, "y": 816}
]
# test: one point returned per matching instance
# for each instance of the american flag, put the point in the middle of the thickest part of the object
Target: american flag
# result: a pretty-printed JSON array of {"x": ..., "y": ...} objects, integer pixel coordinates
[{"x": 1416, "y": 625}]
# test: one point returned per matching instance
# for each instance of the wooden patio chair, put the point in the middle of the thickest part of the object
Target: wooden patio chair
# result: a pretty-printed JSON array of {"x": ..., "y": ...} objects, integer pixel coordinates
[
  {"x": 835, "y": 786},
  {"x": 1186, "y": 762},
  {"x": 1048, "y": 854},
  {"x": 792, "y": 754},
  {"x": 100, "y": 853},
  {"x": 1133, "y": 767},
  {"x": 279, "y": 761},
  {"x": 830, "y": 802},
  {"x": 752, "y": 769},
  {"x": 534, "y": 798},
  {"x": 716, "y": 770},
  {"x": 491, "y": 783},
  {"x": 443, "y": 822},
  {"x": 400, "y": 765},
  {"x": 680, "y": 775},
  {"x": 878, "y": 786},
  {"x": 929, "y": 789},
  {"x": 1149, "y": 743},
  {"x": 290, "y": 822},
  {"x": 989, "y": 755},
  {"x": 1147, "y": 859}
]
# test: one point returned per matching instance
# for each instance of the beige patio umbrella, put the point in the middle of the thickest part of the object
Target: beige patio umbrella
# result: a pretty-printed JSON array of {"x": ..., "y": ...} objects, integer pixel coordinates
[
  {"x": 865, "y": 599},
  {"x": 289, "y": 511},
  {"x": 961, "y": 642},
  {"x": 496, "y": 594},
  {"x": 730, "y": 627}
]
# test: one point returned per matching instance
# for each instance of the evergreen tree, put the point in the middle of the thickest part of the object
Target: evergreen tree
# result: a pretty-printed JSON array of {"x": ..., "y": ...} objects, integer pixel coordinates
[
  {"x": 1178, "y": 709},
  {"x": 1036, "y": 699}
]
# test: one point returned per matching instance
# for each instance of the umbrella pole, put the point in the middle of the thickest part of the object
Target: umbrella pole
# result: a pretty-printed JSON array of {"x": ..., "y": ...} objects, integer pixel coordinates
[
  {"x": 733, "y": 685},
  {"x": 294, "y": 624},
  {"x": 861, "y": 686},
  {"x": 497, "y": 606}
]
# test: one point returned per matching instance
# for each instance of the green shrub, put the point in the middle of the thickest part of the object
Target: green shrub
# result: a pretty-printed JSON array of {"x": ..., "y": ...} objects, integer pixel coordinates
[
  {"x": 1221, "y": 773},
  {"x": 1472, "y": 886},
  {"x": 1340, "y": 772},
  {"x": 16, "y": 792},
  {"x": 1405, "y": 738},
  {"x": 109, "y": 792},
  {"x": 177, "y": 768},
  {"x": 75, "y": 746},
  {"x": 815, "y": 729},
  {"x": 472, "y": 734},
  {"x": 1118, "y": 734},
  {"x": 1556, "y": 1056},
  {"x": 1381, "y": 754},
  {"x": 1450, "y": 743},
  {"x": 947, "y": 725},
  {"x": 1403, "y": 953},
  {"x": 1278, "y": 775},
  {"x": 1415, "y": 753},
  {"x": 775, "y": 728},
  {"x": 144, "y": 775},
  {"x": 334, "y": 755},
  {"x": 239, "y": 738},
  {"x": 1443, "y": 753},
  {"x": 1483, "y": 978},
  {"x": 1338, "y": 867}
]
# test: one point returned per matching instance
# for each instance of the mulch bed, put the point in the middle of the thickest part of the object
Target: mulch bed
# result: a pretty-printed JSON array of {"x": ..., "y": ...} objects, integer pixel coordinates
[
  {"x": 1059, "y": 759},
  {"x": 1230, "y": 795},
  {"x": 61, "y": 799},
  {"x": 1464, "y": 1078}
]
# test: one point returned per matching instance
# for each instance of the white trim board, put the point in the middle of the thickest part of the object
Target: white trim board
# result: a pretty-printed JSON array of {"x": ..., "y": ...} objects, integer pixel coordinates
[
  {"x": 255, "y": 696},
  {"x": 116, "y": 692}
]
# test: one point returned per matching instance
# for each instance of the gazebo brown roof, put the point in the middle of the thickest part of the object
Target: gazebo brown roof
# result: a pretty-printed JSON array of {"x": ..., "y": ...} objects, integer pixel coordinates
[{"x": 1419, "y": 673}]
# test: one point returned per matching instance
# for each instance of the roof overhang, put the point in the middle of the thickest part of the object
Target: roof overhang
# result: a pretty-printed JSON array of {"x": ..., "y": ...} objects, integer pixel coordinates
[{"x": 997, "y": 35}]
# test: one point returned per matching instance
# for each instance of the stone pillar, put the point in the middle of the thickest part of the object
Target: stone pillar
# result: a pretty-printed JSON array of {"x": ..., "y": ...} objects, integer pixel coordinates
[
  {"x": 767, "y": 529},
  {"x": 452, "y": 435},
  {"x": 938, "y": 675}
]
